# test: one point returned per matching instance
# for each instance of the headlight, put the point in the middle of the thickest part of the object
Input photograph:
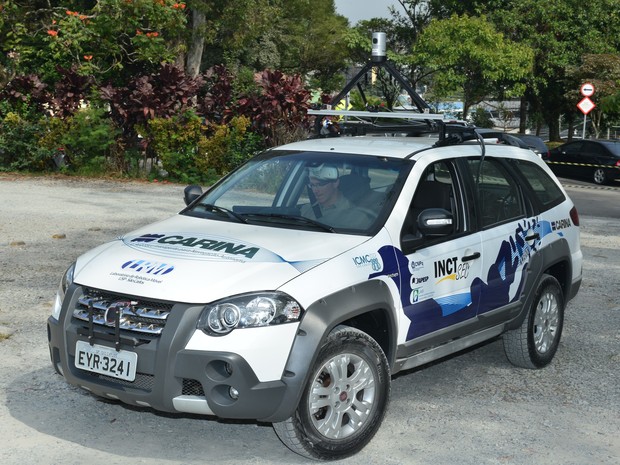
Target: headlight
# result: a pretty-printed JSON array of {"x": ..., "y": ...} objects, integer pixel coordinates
[
  {"x": 247, "y": 311},
  {"x": 65, "y": 282},
  {"x": 67, "y": 279}
]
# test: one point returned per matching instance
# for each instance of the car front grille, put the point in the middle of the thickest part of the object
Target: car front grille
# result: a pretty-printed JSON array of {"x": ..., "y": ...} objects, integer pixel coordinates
[
  {"x": 192, "y": 387},
  {"x": 130, "y": 313},
  {"x": 143, "y": 382}
]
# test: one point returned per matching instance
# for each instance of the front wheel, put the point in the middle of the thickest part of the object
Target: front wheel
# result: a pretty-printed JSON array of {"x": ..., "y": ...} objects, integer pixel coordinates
[
  {"x": 599, "y": 176},
  {"x": 535, "y": 342},
  {"x": 344, "y": 401}
]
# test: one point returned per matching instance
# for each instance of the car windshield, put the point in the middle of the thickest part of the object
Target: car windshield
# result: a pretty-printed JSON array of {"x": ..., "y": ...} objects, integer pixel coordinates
[{"x": 326, "y": 192}]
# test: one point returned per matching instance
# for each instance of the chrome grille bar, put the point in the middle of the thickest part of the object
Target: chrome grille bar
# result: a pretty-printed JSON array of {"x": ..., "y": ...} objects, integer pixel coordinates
[{"x": 134, "y": 315}]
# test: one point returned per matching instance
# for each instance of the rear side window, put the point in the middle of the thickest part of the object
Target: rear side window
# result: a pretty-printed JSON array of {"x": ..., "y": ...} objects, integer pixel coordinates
[
  {"x": 546, "y": 190},
  {"x": 498, "y": 194},
  {"x": 614, "y": 147},
  {"x": 575, "y": 147}
]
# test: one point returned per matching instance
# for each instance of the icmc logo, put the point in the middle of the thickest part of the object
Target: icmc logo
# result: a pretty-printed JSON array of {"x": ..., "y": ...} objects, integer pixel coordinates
[
  {"x": 369, "y": 259},
  {"x": 145, "y": 266}
]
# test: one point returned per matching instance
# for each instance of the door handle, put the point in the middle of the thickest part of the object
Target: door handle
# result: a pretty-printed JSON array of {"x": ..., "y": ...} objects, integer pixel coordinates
[
  {"x": 473, "y": 256},
  {"x": 533, "y": 237}
]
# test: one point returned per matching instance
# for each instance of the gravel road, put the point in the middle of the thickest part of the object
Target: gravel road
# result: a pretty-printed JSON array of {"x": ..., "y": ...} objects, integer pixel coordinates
[{"x": 471, "y": 409}]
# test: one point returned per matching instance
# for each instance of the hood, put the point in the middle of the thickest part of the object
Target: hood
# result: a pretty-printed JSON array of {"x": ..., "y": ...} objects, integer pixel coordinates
[{"x": 196, "y": 260}]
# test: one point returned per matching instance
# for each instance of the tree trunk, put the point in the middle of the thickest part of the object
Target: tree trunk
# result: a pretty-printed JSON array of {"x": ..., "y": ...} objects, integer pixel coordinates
[
  {"x": 194, "y": 54},
  {"x": 554, "y": 128},
  {"x": 523, "y": 115},
  {"x": 596, "y": 118}
]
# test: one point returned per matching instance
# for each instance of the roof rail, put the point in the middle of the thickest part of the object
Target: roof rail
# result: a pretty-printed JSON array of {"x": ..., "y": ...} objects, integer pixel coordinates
[
  {"x": 358, "y": 123},
  {"x": 409, "y": 115}
]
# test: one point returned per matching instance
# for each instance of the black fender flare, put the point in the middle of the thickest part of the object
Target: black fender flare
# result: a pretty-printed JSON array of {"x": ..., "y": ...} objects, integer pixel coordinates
[
  {"x": 552, "y": 254},
  {"x": 319, "y": 320}
]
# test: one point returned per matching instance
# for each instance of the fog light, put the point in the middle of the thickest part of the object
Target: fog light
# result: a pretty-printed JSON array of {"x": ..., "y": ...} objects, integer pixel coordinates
[{"x": 233, "y": 393}]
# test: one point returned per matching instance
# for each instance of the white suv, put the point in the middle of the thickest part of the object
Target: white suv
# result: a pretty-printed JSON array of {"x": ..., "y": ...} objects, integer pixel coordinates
[{"x": 292, "y": 290}]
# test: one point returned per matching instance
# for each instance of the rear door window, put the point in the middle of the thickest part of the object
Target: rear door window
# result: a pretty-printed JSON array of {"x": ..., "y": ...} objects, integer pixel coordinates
[{"x": 543, "y": 187}]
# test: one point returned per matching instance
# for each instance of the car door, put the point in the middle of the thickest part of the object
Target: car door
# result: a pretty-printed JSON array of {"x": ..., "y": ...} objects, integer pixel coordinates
[
  {"x": 441, "y": 270},
  {"x": 568, "y": 159},
  {"x": 601, "y": 157},
  {"x": 505, "y": 232},
  {"x": 589, "y": 156}
]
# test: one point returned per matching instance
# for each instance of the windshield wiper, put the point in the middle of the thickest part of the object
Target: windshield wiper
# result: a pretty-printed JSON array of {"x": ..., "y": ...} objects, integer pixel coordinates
[
  {"x": 297, "y": 219},
  {"x": 217, "y": 209}
]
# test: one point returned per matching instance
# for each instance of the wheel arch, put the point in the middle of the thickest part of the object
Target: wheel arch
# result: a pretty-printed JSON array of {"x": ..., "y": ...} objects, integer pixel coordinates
[
  {"x": 555, "y": 260},
  {"x": 562, "y": 271},
  {"x": 367, "y": 307}
]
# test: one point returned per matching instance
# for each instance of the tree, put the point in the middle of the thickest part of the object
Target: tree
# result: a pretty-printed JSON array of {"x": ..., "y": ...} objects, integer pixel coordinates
[
  {"x": 469, "y": 57},
  {"x": 560, "y": 32},
  {"x": 223, "y": 32},
  {"x": 603, "y": 72},
  {"x": 311, "y": 39},
  {"x": 107, "y": 39},
  {"x": 296, "y": 36}
]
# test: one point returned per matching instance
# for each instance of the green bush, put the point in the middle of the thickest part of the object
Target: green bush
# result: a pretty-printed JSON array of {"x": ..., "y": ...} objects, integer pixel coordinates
[
  {"x": 174, "y": 141},
  {"x": 481, "y": 118},
  {"x": 192, "y": 151},
  {"x": 89, "y": 139},
  {"x": 19, "y": 145},
  {"x": 29, "y": 142},
  {"x": 357, "y": 103},
  {"x": 153, "y": 121},
  {"x": 229, "y": 145}
]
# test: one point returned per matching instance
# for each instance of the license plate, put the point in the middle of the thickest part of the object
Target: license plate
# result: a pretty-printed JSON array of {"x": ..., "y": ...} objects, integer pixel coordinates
[{"x": 106, "y": 361}]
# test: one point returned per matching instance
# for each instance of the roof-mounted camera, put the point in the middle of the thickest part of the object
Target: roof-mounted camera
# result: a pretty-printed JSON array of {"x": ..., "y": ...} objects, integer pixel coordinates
[{"x": 379, "y": 47}]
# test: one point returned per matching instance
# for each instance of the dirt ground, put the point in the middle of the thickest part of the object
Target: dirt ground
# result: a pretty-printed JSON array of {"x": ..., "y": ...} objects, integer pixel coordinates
[{"x": 471, "y": 409}]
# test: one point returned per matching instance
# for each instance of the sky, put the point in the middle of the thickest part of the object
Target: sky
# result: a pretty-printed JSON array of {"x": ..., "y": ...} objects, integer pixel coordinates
[{"x": 357, "y": 10}]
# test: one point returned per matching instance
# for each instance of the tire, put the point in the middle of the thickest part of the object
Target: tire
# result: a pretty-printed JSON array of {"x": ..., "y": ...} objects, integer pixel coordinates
[
  {"x": 536, "y": 341},
  {"x": 344, "y": 401},
  {"x": 599, "y": 176}
]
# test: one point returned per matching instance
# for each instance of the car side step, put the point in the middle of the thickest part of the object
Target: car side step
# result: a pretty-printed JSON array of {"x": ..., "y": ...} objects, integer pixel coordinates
[{"x": 446, "y": 349}]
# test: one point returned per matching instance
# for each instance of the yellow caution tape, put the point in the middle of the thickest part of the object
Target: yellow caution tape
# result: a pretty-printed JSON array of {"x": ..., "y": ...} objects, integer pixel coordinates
[{"x": 581, "y": 164}]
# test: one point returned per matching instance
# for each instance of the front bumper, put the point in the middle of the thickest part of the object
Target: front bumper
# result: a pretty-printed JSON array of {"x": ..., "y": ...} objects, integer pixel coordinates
[{"x": 169, "y": 377}]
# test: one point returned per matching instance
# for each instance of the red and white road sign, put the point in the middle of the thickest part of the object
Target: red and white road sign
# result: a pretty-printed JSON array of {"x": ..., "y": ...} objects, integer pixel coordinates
[
  {"x": 586, "y": 105},
  {"x": 587, "y": 90}
]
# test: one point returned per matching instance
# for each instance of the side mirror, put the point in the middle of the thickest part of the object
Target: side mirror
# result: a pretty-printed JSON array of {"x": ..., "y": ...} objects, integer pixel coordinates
[
  {"x": 191, "y": 193},
  {"x": 435, "y": 222}
]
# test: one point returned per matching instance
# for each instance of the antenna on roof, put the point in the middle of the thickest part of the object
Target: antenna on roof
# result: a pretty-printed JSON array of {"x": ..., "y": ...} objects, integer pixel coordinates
[
  {"x": 379, "y": 59},
  {"x": 399, "y": 122}
]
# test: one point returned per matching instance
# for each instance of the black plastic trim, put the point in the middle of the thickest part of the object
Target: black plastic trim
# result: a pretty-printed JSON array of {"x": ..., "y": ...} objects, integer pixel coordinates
[
  {"x": 552, "y": 254},
  {"x": 319, "y": 320}
]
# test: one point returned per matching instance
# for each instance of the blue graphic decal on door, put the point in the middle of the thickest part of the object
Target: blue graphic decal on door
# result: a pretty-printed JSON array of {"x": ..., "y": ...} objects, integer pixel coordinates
[{"x": 430, "y": 314}]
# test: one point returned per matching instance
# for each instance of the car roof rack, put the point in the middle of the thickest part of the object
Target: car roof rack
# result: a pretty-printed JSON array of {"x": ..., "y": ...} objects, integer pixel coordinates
[{"x": 359, "y": 123}]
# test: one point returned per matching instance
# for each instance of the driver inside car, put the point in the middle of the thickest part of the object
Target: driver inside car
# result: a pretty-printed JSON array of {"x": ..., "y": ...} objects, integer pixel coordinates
[{"x": 327, "y": 203}]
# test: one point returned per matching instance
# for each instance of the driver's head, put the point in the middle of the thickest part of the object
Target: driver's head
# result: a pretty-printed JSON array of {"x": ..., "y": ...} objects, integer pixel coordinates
[{"x": 324, "y": 183}]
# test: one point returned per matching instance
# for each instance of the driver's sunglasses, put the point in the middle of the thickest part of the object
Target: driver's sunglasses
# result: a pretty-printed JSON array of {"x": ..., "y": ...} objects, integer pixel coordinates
[{"x": 314, "y": 185}]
